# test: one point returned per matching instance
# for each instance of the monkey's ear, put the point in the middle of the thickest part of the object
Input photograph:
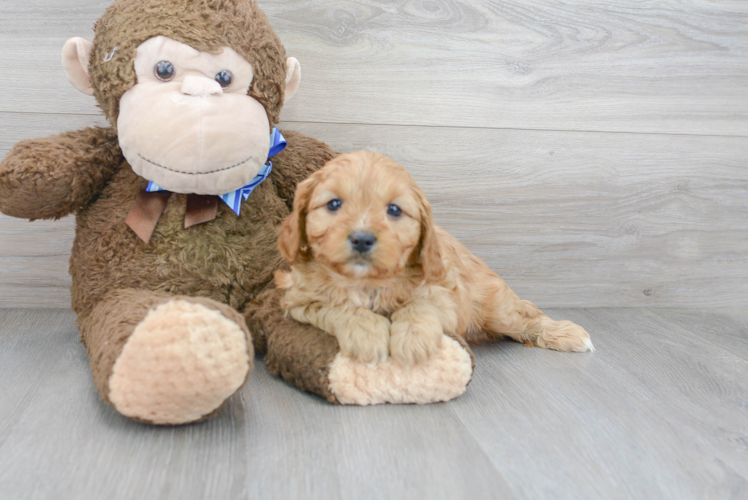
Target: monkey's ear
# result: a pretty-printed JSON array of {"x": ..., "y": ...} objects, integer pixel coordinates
[
  {"x": 293, "y": 78},
  {"x": 75, "y": 56}
]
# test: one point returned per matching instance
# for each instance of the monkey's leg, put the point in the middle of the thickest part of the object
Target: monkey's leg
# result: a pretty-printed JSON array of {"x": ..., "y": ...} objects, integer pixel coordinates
[
  {"x": 166, "y": 359},
  {"x": 310, "y": 358},
  {"x": 521, "y": 320}
]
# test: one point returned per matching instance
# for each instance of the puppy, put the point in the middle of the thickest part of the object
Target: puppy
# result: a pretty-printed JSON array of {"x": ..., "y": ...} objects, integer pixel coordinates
[{"x": 369, "y": 266}]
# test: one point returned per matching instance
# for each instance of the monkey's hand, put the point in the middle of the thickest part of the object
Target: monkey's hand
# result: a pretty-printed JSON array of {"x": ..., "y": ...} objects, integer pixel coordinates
[{"x": 52, "y": 177}]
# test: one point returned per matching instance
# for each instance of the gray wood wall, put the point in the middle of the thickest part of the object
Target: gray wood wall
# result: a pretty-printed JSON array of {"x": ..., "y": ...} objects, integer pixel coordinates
[{"x": 593, "y": 153}]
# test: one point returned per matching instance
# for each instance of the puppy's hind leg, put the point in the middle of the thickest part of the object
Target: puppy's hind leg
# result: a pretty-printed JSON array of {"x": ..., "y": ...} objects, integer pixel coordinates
[{"x": 506, "y": 314}]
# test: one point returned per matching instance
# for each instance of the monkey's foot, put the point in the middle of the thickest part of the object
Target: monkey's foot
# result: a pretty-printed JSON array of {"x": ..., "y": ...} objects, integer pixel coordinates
[
  {"x": 182, "y": 361},
  {"x": 444, "y": 376}
]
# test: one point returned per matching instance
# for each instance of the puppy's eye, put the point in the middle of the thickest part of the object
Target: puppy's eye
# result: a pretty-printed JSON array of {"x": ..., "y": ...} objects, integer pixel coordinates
[
  {"x": 164, "y": 71},
  {"x": 224, "y": 78},
  {"x": 334, "y": 205},
  {"x": 394, "y": 210}
]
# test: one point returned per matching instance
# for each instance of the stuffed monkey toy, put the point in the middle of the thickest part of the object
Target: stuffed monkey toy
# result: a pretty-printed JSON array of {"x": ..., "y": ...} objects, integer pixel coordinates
[{"x": 177, "y": 206}]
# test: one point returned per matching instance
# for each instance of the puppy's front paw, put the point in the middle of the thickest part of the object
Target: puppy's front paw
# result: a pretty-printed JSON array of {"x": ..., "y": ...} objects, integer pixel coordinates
[
  {"x": 415, "y": 341},
  {"x": 365, "y": 338}
]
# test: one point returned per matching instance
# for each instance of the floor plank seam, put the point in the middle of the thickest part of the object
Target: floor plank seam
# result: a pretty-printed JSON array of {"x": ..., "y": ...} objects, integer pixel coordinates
[
  {"x": 514, "y": 129},
  {"x": 454, "y": 127}
]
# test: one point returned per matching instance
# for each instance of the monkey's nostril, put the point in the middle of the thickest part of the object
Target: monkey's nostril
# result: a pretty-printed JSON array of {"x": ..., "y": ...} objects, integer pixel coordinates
[{"x": 362, "y": 241}]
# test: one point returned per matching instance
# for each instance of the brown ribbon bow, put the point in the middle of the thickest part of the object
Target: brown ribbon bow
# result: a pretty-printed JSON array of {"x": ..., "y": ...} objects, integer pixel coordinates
[{"x": 148, "y": 208}]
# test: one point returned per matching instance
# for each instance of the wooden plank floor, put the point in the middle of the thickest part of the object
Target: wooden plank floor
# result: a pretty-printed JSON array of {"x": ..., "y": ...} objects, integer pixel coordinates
[{"x": 659, "y": 410}]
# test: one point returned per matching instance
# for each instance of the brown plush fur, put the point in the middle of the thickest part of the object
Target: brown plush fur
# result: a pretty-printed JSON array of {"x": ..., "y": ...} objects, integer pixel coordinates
[
  {"x": 226, "y": 263},
  {"x": 69, "y": 169},
  {"x": 229, "y": 259},
  {"x": 414, "y": 284},
  {"x": 301, "y": 354}
]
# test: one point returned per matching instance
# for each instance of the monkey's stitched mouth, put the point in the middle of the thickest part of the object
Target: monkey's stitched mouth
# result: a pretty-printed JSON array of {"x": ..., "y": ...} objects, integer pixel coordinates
[{"x": 236, "y": 165}]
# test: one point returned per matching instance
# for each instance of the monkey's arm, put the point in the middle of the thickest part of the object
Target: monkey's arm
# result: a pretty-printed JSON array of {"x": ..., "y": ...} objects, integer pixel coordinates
[
  {"x": 302, "y": 157},
  {"x": 52, "y": 177}
]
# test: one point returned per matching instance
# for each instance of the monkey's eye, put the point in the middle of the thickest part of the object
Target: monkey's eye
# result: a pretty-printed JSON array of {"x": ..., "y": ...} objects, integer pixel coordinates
[
  {"x": 224, "y": 78},
  {"x": 164, "y": 71},
  {"x": 334, "y": 205},
  {"x": 394, "y": 210}
]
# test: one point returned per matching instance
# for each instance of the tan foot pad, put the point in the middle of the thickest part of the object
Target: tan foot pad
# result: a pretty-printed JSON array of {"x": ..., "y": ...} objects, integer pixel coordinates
[
  {"x": 180, "y": 364},
  {"x": 443, "y": 377}
]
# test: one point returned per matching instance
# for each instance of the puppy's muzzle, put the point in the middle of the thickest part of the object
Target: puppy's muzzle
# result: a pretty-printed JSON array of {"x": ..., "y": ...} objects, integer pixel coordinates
[{"x": 362, "y": 241}]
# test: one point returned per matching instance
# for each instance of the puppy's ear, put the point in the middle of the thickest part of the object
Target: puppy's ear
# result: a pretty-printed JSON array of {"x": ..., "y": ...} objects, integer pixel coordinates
[
  {"x": 431, "y": 257},
  {"x": 292, "y": 240}
]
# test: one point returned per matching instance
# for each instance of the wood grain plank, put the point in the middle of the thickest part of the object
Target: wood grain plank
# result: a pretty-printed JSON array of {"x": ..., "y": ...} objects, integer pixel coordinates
[
  {"x": 35, "y": 32},
  {"x": 718, "y": 328},
  {"x": 568, "y": 219},
  {"x": 360, "y": 452},
  {"x": 664, "y": 67},
  {"x": 611, "y": 65},
  {"x": 651, "y": 413}
]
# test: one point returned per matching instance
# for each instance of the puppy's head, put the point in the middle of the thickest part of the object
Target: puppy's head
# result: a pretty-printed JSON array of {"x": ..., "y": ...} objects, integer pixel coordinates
[{"x": 363, "y": 216}]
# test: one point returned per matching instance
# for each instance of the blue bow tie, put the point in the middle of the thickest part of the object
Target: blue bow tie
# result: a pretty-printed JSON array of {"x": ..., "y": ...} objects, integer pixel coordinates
[{"x": 234, "y": 199}]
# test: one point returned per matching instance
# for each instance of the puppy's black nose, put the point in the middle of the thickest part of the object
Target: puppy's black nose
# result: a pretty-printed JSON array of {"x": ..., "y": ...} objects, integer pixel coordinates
[{"x": 362, "y": 241}]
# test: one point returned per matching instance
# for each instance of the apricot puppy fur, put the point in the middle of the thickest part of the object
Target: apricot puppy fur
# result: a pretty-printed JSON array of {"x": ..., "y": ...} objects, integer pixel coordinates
[{"x": 369, "y": 266}]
